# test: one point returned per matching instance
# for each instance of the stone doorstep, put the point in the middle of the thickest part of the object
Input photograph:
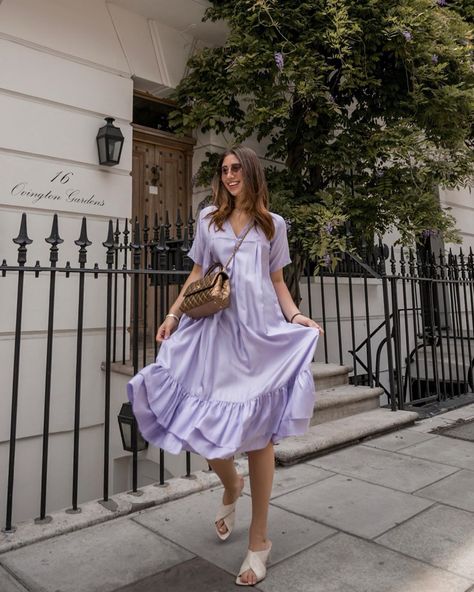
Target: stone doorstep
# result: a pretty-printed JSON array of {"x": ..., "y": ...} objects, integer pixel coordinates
[
  {"x": 121, "y": 504},
  {"x": 125, "y": 369},
  {"x": 342, "y": 401},
  {"x": 329, "y": 436},
  {"x": 329, "y": 375}
]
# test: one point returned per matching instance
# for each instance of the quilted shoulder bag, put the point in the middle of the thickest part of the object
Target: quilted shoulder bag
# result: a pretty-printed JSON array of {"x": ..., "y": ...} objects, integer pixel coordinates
[{"x": 211, "y": 293}]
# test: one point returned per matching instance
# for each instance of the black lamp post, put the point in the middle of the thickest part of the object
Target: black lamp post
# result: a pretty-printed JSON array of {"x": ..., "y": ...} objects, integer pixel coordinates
[
  {"x": 129, "y": 430},
  {"x": 109, "y": 143}
]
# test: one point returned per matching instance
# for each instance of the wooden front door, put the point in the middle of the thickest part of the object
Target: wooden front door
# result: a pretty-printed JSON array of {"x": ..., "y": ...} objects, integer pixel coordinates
[{"x": 161, "y": 173}]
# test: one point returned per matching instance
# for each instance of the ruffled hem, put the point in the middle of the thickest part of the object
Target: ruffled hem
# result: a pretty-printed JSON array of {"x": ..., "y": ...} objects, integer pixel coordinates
[{"x": 175, "y": 420}]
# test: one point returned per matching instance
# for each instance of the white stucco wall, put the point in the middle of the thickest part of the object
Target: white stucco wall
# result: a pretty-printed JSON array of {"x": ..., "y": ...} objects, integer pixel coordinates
[{"x": 461, "y": 204}]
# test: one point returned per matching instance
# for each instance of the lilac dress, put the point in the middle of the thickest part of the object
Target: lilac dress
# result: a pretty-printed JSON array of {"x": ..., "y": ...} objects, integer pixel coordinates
[{"x": 233, "y": 381}]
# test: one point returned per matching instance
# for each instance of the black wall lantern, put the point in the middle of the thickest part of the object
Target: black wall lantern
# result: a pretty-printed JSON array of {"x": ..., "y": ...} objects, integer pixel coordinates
[
  {"x": 129, "y": 430},
  {"x": 110, "y": 143}
]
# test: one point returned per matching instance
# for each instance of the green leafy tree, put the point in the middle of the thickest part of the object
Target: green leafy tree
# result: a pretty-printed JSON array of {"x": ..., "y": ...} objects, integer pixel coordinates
[
  {"x": 367, "y": 104},
  {"x": 465, "y": 8}
]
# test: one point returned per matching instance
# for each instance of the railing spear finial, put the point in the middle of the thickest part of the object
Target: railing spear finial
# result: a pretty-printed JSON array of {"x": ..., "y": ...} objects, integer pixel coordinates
[
  {"x": 23, "y": 240},
  {"x": 167, "y": 224},
  {"x": 54, "y": 240},
  {"x": 156, "y": 228},
  {"x": 179, "y": 224},
  {"x": 146, "y": 230},
  {"x": 191, "y": 223},
  {"x": 109, "y": 244},
  {"x": 83, "y": 242}
]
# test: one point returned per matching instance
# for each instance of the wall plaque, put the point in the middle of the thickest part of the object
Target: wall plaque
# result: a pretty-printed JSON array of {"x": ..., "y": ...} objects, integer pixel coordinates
[{"x": 37, "y": 183}]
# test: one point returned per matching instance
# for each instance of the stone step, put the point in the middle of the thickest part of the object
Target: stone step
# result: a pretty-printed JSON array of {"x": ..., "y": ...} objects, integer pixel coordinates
[
  {"x": 329, "y": 375},
  {"x": 323, "y": 438},
  {"x": 342, "y": 401}
]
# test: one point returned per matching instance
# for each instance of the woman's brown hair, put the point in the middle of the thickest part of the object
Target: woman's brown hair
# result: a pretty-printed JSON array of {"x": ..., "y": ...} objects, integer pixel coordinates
[{"x": 255, "y": 192}]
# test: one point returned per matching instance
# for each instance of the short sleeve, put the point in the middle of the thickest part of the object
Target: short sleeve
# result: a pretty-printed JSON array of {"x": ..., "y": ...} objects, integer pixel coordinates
[
  {"x": 279, "y": 249},
  {"x": 196, "y": 253}
]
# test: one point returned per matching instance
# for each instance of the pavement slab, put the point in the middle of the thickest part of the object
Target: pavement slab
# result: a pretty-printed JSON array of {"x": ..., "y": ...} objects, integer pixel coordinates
[
  {"x": 352, "y": 505},
  {"x": 287, "y": 479},
  {"x": 399, "y": 440},
  {"x": 97, "y": 559},
  {"x": 450, "y": 451},
  {"x": 441, "y": 536},
  {"x": 464, "y": 431},
  {"x": 465, "y": 412},
  {"x": 456, "y": 490},
  {"x": 8, "y": 583},
  {"x": 432, "y": 423},
  {"x": 381, "y": 467},
  {"x": 190, "y": 523},
  {"x": 195, "y": 574},
  {"x": 346, "y": 563}
]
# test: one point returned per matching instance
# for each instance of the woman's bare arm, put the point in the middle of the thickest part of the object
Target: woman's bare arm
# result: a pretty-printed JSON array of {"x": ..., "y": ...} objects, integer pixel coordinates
[
  {"x": 169, "y": 324},
  {"x": 287, "y": 304}
]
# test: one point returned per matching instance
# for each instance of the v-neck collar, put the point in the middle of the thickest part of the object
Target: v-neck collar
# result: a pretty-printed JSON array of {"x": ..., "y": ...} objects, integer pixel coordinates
[{"x": 243, "y": 229}]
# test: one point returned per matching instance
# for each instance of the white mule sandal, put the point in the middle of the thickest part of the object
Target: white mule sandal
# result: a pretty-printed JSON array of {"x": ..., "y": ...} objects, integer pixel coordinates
[
  {"x": 256, "y": 561},
  {"x": 227, "y": 514}
]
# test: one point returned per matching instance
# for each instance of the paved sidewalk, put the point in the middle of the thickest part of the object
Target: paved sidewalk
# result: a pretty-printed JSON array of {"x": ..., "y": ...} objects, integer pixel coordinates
[{"x": 394, "y": 514}]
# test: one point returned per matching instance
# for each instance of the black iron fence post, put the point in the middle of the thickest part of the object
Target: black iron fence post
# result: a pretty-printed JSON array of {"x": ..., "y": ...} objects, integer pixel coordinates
[
  {"x": 109, "y": 244},
  {"x": 125, "y": 248},
  {"x": 396, "y": 336},
  {"x": 136, "y": 249},
  {"x": 82, "y": 242},
  {"x": 22, "y": 240},
  {"x": 54, "y": 240}
]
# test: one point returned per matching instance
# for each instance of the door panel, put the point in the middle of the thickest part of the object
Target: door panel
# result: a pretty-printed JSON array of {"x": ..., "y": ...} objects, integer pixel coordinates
[{"x": 161, "y": 182}]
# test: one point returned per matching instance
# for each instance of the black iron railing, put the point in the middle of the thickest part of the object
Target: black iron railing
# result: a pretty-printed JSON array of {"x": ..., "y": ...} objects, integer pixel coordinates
[
  {"x": 140, "y": 275},
  {"x": 405, "y": 324},
  {"x": 414, "y": 336}
]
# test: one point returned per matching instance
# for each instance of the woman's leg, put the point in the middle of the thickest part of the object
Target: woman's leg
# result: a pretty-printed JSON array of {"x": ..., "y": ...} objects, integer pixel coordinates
[
  {"x": 261, "y": 470},
  {"x": 231, "y": 480}
]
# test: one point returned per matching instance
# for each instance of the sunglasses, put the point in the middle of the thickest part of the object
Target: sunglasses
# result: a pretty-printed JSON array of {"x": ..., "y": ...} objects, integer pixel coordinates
[{"x": 235, "y": 168}]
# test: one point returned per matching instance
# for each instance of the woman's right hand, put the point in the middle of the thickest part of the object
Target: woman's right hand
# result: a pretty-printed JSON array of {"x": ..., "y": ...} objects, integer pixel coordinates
[{"x": 167, "y": 327}]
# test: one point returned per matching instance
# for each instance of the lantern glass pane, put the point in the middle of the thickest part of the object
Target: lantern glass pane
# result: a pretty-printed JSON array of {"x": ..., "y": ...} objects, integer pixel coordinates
[
  {"x": 142, "y": 444},
  {"x": 102, "y": 149},
  {"x": 114, "y": 148},
  {"x": 126, "y": 431}
]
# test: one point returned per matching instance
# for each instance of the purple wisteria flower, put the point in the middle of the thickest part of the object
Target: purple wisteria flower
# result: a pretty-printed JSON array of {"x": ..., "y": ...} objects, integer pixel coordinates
[
  {"x": 434, "y": 58},
  {"x": 408, "y": 36},
  {"x": 329, "y": 228},
  {"x": 327, "y": 259},
  {"x": 279, "y": 60},
  {"x": 441, "y": 2},
  {"x": 429, "y": 233},
  {"x": 288, "y": 224}
]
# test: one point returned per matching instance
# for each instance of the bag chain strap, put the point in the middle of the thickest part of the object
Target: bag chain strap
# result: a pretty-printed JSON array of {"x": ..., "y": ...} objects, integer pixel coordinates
[{"x": 237, "y": 246}]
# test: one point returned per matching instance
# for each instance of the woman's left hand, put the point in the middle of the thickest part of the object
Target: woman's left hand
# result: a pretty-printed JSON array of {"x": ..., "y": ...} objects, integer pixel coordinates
[{"x": 307, "y": 322}]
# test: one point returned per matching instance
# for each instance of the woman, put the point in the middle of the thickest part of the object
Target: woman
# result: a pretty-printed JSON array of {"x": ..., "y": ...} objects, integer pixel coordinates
[{"x": 240, "y": 380}]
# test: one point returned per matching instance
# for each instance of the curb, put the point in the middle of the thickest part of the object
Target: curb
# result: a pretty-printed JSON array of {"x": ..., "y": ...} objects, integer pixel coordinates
[{"x": 122, "y": 504}]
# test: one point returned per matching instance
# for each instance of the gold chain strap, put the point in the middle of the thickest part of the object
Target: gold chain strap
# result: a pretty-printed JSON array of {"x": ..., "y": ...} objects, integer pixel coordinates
[{"x": 237, "y": 246}]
